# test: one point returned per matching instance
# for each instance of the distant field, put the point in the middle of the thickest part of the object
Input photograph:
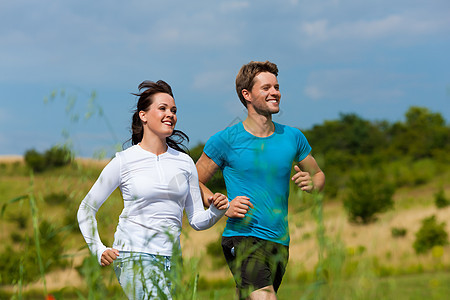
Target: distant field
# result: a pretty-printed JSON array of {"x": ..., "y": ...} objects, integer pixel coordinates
[
  {"x": 10, "y": 158},
  {"x": 363, "y": 257}
]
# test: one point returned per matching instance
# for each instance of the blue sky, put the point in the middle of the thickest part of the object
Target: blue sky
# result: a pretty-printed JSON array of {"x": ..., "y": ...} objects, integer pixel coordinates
[{"x": 372, "y": 58}]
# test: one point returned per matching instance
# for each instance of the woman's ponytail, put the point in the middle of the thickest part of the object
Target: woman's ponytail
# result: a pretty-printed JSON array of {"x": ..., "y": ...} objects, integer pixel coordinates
[{"x": 137, "y": 129}]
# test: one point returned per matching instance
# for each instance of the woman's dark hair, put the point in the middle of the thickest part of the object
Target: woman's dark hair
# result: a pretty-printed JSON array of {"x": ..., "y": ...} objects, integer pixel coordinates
[{"x": 151, "y": 88}]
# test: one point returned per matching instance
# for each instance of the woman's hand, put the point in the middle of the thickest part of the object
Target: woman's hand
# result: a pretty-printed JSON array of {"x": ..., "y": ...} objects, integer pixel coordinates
[
  {"x": 219, "y": 200},
  {"x": 108, "y": 256}
]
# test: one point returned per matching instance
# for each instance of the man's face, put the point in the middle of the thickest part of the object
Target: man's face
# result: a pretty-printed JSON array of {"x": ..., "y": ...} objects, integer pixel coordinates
[{"x": 265, "y": 95}]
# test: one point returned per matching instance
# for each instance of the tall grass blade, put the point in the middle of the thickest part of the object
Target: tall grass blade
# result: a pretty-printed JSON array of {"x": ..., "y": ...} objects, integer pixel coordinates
[
  {"x": 34, "y": 215},
  {"x": 17, "y": 199}
]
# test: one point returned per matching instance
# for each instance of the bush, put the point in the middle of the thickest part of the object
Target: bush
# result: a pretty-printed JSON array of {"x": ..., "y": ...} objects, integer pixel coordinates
[
  {"x": 56, "y": 198},
  {"x": 429, "y": 235},
  {"x": 398, "y": 232},
  {"x": 20, "y": 218},
  {"x": 57, "y": 156},
  {"x": 440, "y": 200},
  {"x": 369, "y": 194},
  {"x": 35, "y": 160},
  {"x": 22, "y": 264}
]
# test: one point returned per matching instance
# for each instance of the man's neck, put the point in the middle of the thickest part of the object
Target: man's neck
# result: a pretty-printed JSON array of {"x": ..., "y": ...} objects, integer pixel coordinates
[{"x": 259, "y": 125}]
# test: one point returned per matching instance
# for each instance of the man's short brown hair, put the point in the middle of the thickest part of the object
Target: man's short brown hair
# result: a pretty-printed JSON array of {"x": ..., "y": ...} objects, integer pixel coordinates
[{"x": 245, "y": 77}]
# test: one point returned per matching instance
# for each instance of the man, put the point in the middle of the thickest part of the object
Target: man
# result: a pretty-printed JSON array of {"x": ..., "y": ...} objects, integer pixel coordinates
[{"x": 256, "y": 158}]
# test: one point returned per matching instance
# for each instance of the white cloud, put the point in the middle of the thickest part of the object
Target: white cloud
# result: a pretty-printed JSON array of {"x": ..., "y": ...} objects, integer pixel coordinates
[
  {"x": 78, "y": 44},
  {"x": 230, "y": 6},
  {"x": 213, "y": 81},
  {"x": 313, "y": 92},
  {"x": 403, "y": 26},
  {"x": 200, "y": 30},
  {"x": 355, "y": 86}
]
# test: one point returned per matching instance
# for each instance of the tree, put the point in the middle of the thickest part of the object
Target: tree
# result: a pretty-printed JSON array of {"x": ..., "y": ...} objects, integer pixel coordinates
[
  {"x": 421, "y": 134},
  {"x": 350, "y": 134}
]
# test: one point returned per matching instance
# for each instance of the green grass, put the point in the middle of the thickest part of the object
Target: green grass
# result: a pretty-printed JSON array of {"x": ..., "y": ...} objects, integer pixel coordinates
[
  {"x": 348, "y": 274},
  {"x": 408, "y": 287}
]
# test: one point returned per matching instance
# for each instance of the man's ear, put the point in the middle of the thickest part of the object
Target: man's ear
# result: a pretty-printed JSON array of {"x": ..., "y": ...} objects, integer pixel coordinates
[
  {"x": 246, "y": 94},
  {"x": 143, "y": 116}
]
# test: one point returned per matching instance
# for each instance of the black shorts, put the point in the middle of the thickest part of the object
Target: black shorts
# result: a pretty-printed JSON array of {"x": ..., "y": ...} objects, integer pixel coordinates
[{"x": 254, "y": 262}]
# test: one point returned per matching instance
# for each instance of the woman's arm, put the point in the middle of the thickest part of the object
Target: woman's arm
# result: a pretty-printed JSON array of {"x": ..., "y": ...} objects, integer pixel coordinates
[
  {"x": 107, "y": 182},
  {"x": 199, "y": 218}
]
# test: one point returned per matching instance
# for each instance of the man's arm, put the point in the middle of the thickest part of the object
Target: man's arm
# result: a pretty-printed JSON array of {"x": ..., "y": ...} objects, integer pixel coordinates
[
  {"x": 309, "y": 176},
  {"x": 206, "y": 168}
]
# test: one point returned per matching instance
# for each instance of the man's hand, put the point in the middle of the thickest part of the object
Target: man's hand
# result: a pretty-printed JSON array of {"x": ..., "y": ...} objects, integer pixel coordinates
[
  {"x": 303, "y": 180},
  {"x": 108, "y": 256},
  {"x": 239, "y": 206},
  {"x": 219, "y": 200}
]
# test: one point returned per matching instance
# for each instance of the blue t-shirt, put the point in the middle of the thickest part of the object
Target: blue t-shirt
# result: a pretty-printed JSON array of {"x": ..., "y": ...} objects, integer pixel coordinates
[{"x": 259, "y": 168}]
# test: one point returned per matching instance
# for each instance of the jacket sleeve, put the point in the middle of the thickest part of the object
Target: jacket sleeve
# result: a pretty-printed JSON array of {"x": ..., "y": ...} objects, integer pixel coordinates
[
  {"x": 199, "y": 218},
  {"x": 107, "y": 182}
]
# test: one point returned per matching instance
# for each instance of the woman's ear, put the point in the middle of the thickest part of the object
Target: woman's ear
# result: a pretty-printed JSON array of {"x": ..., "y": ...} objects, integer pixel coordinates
[{"x": 143, "y": 116}]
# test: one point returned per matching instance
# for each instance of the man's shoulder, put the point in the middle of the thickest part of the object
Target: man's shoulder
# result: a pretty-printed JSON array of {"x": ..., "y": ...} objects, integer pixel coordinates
[
  {"x": 231, "y": 129},
  {"x": 281, "y": 128},
  {"x": 230, "y": 132}
]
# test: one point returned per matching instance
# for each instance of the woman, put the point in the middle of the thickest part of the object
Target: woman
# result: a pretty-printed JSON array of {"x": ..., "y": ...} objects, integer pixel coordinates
[{"x": 157, "y": 180}]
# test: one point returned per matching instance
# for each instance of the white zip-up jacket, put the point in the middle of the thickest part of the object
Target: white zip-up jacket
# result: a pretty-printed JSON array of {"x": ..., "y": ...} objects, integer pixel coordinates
[{"x": 155, "y": 191}]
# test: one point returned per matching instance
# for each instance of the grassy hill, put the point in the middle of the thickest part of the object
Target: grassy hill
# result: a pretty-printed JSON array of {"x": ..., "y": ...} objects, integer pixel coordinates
[{"x": 355, "y": 260}]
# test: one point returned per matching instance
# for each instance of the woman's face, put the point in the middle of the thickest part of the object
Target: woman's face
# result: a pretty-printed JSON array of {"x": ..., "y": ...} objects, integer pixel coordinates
[{"x": 161, "y": 116}]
